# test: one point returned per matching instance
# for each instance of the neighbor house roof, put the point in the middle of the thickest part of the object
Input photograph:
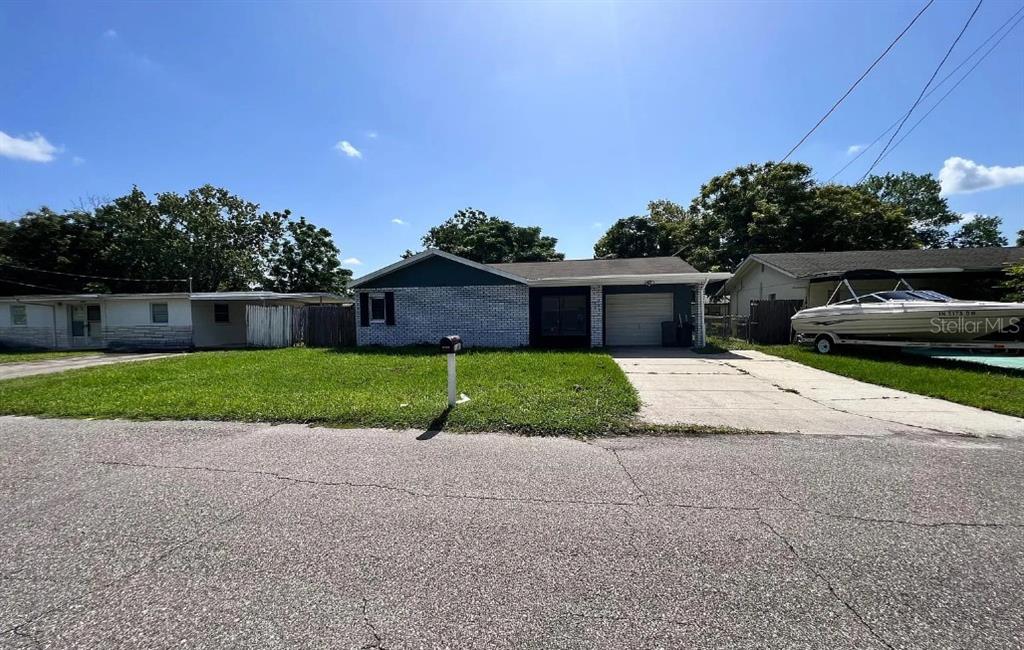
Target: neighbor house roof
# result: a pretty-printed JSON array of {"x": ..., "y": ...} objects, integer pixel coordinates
[
  {"x": 625, "y": 271},
  {"x": 224, "y": 296},
  {"x": 917, "y": 260},
  {"x": 596, "y": 268},
  {"x": 801, "y": 265}
]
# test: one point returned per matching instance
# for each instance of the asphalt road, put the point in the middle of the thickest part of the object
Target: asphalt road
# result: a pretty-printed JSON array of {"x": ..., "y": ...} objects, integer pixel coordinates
[{"x": 202, "y": 535}]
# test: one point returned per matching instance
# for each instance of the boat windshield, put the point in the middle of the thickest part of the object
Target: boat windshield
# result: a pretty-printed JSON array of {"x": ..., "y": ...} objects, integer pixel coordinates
[{"x": 902, "y": 296}]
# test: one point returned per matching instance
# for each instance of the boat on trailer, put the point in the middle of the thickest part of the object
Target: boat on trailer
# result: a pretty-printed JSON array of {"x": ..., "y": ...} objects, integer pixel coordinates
[{"x": 907, "y": 317}]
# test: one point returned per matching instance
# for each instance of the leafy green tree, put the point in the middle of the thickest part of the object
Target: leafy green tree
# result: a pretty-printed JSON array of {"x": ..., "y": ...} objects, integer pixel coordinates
[
  {"x": 845, "y": 218},
  {"x": 919, "y": 196},
  {"x": 306, "y": 259},
  {"x": 472, "y": 234},
  {"x": 1014, "y": 283},
  {"x": 632, "y": 237},
  {"x": 749, "y": 209},
  {"x": 979, "y": 232},
  {"x": 220, "y": 240},
  {"x": 1020, "y": 237}
]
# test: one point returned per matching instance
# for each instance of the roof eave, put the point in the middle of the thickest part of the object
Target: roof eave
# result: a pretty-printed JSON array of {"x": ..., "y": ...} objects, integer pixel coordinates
[
  {"x": 643, "y": 278},
  {"x": 433, "y": 252}
]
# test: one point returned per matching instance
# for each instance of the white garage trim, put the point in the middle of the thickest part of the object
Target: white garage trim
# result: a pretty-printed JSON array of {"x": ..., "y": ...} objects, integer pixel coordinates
[{"x": 635, "y": 318}]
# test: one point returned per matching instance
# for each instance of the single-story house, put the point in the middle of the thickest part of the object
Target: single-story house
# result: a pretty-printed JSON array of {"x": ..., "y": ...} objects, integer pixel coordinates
[
  {"x": 964, "y": 273},
  {"x": 138, "y": 320},
  {"x": 569, "y": 303}
]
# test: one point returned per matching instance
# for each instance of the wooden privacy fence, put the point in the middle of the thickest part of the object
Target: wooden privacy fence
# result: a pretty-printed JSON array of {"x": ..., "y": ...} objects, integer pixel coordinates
[
  {"x": 268, "y": 326},
  {"x": 325, "y": 326},
  {"x": 282, "y": 326},
  {"x": 769, "y": 320}
]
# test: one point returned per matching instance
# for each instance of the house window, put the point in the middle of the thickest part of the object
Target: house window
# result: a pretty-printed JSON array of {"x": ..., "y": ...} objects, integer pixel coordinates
[
  {"x": 378, "y": 308},
  {"x": 18, "y": 315},
  {"x": 92, "y": 313},
  {"x": 563, "y": 315},
  {"x": 158, "y": 312},
  {"x": 221, "y": 313}
]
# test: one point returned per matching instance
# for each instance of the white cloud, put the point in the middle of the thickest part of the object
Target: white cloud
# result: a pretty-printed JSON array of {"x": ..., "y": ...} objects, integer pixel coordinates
[
  {"x": 110, "y": 33},
  {"x": 854, "y": 149},
  {"x": 77, "y": 160},
  {"x": 351, "y": 261},
  {"x": 372, "y": 135},
  {"x": 346, "y": 148},
  {"x": 967, "y": 217},
  {"x": 962, "y": 176},
  {"x": 32, "y": 147},
  {"x": 400, "y": 222}
]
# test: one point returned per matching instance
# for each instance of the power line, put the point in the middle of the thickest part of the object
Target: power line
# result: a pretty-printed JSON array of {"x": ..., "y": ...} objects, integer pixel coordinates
[
  {"x": 94, "y": 277},
  {"x": 936, "y": 87},
  {"x": 923, "y": 90},
  {"x": 856, "y": 83},
  {"x": 959, "y": 81},
  {"x": 34, "y": 286}
]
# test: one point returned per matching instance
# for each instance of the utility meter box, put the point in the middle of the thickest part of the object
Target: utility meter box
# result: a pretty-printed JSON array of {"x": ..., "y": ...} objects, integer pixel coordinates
[{"x": 451, "y": 344}]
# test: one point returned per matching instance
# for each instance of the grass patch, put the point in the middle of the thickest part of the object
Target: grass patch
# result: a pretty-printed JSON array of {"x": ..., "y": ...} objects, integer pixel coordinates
[
  {"x": 22, "y": 356},
  {"x": 994, "y": 389},
  {"x": 517, "y": 390}
]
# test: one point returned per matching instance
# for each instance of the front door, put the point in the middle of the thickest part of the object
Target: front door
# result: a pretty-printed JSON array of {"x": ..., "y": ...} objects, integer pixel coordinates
[{"x": 86, "y": 325}]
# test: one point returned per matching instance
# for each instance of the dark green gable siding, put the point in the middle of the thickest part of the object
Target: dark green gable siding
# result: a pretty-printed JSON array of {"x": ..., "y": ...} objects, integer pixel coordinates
[{"x": 436, "y": 272}]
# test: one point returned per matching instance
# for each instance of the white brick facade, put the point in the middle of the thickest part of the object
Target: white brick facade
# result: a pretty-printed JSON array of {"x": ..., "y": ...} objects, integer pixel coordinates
[
  {"x": 484, "y": 316},
  {"x": 596, "y": 316}
]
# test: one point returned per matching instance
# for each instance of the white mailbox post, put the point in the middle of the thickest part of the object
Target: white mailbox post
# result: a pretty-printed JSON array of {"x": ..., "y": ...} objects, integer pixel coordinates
[{"x": 451, "y": 345}]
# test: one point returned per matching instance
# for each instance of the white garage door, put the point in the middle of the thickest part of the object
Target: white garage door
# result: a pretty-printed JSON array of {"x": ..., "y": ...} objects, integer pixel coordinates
[{"x": 635, "y": 318}]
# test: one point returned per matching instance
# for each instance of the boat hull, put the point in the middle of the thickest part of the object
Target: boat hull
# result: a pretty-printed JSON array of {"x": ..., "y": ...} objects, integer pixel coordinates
[{"x": 942, "y": 322}]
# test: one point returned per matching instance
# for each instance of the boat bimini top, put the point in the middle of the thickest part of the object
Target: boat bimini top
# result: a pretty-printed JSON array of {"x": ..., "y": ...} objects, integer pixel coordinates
[{"x": 901, "y": 291}]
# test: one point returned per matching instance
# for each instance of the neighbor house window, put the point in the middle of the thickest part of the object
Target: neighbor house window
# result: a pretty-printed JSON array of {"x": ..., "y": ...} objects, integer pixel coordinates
[
  {"x": 18, "y": 315},
  {"x": 158, "y": 312},
  {"x": 378, "y": 308},
  {"x": 221, "y": 314}
]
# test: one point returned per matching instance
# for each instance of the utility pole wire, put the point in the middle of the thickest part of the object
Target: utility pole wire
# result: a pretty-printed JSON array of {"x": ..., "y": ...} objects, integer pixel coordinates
[
  {"x": 923, "y": 91},
  {"x": 934, "y": 89},
  {"x": 959, "y": 81},
  {"x": 94, "y": 277},
  {"x": 856, "y": 83}
]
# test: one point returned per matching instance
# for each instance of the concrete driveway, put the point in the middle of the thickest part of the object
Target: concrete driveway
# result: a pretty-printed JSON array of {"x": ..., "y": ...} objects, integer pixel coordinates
[
  {"x": 214, "y": 535},
  {"x": 45, "y": 367},
  {"x": 755, "y": 391}
]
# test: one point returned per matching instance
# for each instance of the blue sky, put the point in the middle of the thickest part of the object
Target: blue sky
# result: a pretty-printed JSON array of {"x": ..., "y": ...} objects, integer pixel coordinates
[{"x": 566, "y": 116}]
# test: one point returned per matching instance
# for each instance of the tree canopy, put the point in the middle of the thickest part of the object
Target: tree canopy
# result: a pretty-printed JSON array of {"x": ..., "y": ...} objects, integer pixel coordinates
[
  {"x": 1020, "y": 237},
  {"x": 779, "y": 207},
  {"x": 136, "y": 244},
  {"x": 977, "y": 232},
  {"x": 919, "y": 196},
  {"x": 475, "y": 235}
]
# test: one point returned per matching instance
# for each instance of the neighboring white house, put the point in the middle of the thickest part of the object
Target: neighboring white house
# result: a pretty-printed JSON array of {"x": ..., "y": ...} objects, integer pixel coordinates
[
  {"x": 964, "y": 273},
  {"x": 143, "y": 320}
]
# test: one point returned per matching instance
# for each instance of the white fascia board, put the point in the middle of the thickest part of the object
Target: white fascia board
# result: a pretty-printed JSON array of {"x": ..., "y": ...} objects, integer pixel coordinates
[
  {"x": 642, "y": 279},
  {"x": 433, "y": 252}
]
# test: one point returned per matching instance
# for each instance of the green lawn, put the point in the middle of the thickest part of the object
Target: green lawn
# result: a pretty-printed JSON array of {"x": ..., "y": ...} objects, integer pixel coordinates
[
  {"x": 21, "y": 356},
  {"x": 524, "y": 391},
  {"x": 992, "y": 389}
]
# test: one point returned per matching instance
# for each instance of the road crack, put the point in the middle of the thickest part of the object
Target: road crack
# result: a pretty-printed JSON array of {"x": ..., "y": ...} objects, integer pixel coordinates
[
  {"x": 828, "y": 583},
  {"x": 378, "y": 641},
  {"x": 796, "y": 508},
  {"x": 259, "y": 503}
]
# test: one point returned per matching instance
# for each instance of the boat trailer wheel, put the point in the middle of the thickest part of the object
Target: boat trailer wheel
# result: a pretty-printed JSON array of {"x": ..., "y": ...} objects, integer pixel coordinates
[{"x": 823, "y": 344}]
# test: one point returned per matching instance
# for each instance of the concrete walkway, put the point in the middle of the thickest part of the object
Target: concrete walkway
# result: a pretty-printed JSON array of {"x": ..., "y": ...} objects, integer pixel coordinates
[
  {"x": 759, "y": 392},
  {"x": 14, "y": 370}
]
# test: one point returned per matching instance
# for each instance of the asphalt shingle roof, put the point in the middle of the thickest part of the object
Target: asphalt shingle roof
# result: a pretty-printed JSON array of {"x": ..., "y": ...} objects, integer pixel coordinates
[
  {"x": 803, "y": 265},
  {"x": 596, "y": 268}
]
